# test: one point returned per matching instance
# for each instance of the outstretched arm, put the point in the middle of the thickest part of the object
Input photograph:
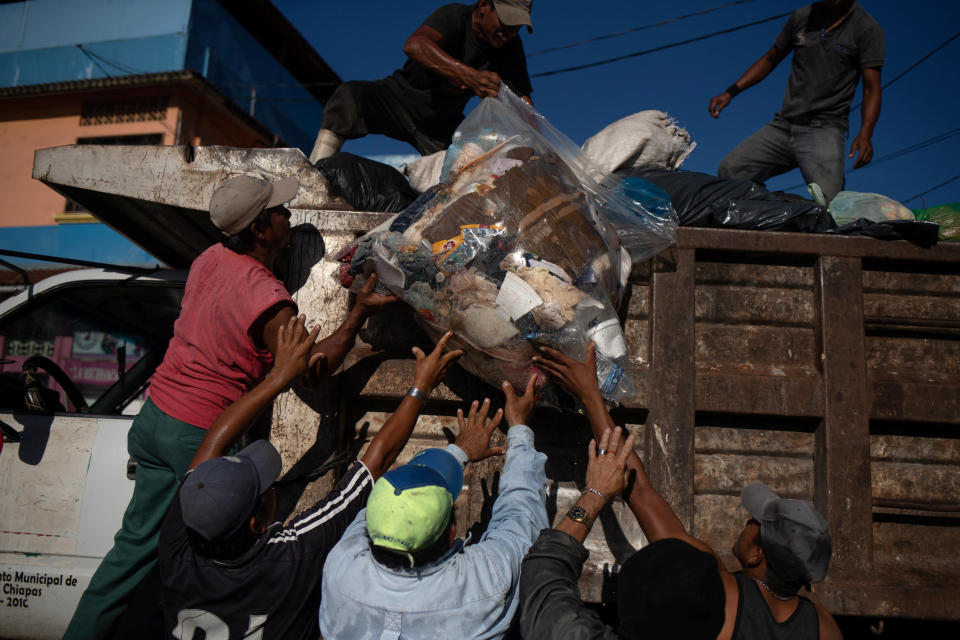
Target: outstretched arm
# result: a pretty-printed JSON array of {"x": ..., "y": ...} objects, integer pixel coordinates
[
  {"x": 757, "y": 72},
  {"x": 580, "y": 378},
  {"x": 293, "y": 355},
  {"x": 395, "y": 432},
  {"x": 551, "y": 604}
]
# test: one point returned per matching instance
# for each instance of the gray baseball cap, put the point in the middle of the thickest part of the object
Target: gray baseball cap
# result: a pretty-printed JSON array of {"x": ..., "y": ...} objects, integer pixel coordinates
[
  {"x": 793, "y": 535},
  {"x": 238, "y": 201},
  {"x": 219, "y": 496},
  {"x": 514, "y": 13}
]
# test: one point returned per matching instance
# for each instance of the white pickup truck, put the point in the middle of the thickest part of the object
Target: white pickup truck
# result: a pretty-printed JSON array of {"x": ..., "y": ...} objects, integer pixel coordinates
[{"x": 64, "y": 473}]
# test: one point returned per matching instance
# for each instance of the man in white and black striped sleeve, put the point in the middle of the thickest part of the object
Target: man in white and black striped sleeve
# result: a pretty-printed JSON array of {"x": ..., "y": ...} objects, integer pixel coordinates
[{"x": 226, "y": 568}]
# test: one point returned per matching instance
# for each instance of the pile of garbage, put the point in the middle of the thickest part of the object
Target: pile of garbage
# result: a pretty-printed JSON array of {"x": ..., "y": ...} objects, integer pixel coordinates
[{"x": 520, "y": 244}]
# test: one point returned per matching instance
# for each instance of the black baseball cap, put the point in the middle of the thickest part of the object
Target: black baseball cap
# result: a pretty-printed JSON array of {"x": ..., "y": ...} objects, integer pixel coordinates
[
  {"x": 219, "y": 496},
  {"x": 671, "y": 589},
  {"x": 793, "y": 535}
]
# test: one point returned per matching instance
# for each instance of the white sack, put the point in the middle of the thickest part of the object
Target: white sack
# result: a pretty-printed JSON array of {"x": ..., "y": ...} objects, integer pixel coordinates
[{"x": 644, "y": 139}]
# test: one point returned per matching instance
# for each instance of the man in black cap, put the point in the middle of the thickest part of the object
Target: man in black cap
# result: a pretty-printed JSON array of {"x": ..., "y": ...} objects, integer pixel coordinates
[
  {"x": 458, "y": 52},
  {"x": 677, "y": 585}
]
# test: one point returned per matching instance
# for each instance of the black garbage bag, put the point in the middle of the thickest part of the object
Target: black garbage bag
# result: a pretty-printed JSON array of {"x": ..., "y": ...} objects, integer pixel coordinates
[
  {"x": 366, "y": 184},
  {"x": 921, "y": 233},
  {"x": 704, "y": 200},
  {"x": 772, "y": 215}
]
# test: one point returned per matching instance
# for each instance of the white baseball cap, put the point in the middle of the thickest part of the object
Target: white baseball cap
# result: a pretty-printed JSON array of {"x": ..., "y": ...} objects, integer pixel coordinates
[{"x": 238, "y": 201}]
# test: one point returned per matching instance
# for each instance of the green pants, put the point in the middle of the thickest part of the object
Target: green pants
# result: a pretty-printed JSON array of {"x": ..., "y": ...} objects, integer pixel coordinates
[{"x": 163, "y": 448}]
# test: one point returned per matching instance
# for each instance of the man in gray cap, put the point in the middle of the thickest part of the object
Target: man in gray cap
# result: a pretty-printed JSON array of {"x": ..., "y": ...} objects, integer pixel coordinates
[
  {"x": 223, "y": 344},
  {"x": 784, "y": 546},
  {"x": 459, "y": 51}
]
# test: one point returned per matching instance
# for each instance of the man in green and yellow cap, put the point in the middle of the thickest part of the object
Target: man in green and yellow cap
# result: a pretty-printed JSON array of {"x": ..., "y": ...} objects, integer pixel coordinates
[{"x": 400, "y": 570}]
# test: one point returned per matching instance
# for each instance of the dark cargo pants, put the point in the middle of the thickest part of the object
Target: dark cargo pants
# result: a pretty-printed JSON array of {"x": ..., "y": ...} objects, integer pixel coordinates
[{"x": 359, "y": 108}]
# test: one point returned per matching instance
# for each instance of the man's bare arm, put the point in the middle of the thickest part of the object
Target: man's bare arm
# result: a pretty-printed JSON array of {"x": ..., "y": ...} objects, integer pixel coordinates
[
  {"x": 655, "y": 516},
  {"x": 862, "y": 145},
  {"x": 756, "y": 73},
  {"x": 395, "y": 432},
  {"x": 829, "y": 630},
  {"x": 423, "y": 45}
]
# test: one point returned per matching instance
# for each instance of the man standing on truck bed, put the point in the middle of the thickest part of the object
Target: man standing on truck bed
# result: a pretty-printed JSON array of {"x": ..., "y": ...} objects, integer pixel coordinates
[
  {"x": 223, "y": 344},
  {"x": 459, "y": 51},
  {"x": 834, "y": 42}
]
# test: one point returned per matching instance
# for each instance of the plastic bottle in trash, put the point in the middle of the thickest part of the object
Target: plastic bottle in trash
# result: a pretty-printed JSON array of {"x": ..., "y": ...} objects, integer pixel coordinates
[
  {"x": 611, "y": 355},
  {"x": 609, "y": 376}
]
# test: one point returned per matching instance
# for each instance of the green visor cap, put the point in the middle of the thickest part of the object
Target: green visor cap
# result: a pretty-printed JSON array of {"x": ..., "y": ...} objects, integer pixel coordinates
[{"x": 409, "y": 507}]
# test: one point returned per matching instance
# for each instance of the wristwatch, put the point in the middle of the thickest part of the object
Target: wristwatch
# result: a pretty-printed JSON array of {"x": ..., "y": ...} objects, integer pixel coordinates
[{"x": 579, "y": 514}]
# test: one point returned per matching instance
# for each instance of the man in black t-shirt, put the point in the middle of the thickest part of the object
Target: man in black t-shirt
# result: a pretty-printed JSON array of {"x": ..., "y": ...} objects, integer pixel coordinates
[
  {"x": 834, "y": 43},
  {"x": 459, "y": 51}
]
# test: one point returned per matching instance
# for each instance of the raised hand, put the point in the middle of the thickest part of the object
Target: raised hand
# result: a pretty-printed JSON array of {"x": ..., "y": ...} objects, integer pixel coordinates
[
  {"x": 369, "y": 302},
  {"x": 293, "y": 357},
  {"x": 519, "y": 408},
  {"x": 607, "y": 465},
  {"x": 579, "y": 378},
  {"x": 476, "y": 430},
  {"x": 432, "y": 368}
]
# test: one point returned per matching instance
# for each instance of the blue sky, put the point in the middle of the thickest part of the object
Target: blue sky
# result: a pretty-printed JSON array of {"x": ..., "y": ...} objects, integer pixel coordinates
[{"x": 364, "y": 41}]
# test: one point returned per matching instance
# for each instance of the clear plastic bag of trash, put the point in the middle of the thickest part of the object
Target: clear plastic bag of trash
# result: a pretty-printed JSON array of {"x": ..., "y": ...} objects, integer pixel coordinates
[{"x": 518, "y": 246}]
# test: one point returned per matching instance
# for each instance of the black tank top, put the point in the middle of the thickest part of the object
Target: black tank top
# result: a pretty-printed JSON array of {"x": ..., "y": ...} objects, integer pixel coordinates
[{"x": 755, "y": 622}]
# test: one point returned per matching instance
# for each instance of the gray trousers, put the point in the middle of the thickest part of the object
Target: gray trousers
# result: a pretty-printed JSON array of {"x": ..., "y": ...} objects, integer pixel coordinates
[{"x": 816, "y": 148}]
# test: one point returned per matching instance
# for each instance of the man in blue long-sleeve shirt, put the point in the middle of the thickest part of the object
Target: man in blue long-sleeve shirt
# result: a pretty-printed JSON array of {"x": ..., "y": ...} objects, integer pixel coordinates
[{"x": 399, "y": 570}]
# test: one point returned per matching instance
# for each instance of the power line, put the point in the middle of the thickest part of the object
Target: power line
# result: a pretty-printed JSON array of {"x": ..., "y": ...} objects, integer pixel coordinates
[
  {"x": 637, "y": 54},
  {"x": 916, "y": 147},
  {"x": 893, "y": 155},
  {"x": 93, "y": 60},
  {"x": 923, "y": 193},
  {"x": 640, "y": 28},
  {"x": 914, "y": 65},
  {"x": 113, "y": 63}
]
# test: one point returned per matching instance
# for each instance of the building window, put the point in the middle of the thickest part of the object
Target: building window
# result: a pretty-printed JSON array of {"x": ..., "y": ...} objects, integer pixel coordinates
[
  {"x": 74, "y": 212},
  {"x": 119, "y": 112}
]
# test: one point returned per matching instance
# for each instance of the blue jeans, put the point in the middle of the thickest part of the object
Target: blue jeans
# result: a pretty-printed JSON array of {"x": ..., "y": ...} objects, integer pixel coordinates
[{"x": 816, "y": 148}]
